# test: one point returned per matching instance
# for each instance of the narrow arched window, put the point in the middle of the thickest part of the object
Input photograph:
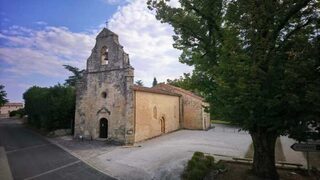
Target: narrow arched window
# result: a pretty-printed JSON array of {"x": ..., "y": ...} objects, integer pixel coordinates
[
  {"x": 104, "y": 55},
  {"x": 155, "y": 112}
]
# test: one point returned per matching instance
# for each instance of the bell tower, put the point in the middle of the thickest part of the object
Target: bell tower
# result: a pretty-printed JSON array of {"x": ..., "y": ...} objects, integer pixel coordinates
[{"x": 104, "y": 94}]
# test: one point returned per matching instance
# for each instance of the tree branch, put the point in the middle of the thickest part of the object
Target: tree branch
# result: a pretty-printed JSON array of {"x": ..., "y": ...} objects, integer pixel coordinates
[
  {"x": 297, "y": 28},
  {"x": 209, "y": 18},
  {"x": 299, "y": 5}
]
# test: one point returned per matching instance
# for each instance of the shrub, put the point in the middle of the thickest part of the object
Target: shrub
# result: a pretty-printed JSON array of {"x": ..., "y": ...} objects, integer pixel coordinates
[
  {"x": 50, "y": 108},
  {"x": 198, "y": 166},
  {"x": 17, "y": 113}
]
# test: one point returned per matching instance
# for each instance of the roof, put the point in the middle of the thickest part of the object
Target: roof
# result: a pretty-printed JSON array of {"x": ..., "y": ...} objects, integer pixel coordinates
[
  {"x": 153, "y": 90},
  {"x": 180, "y": 90},
  {"x": 13, "y": 104},
  {"x": 105, "y": 32}
]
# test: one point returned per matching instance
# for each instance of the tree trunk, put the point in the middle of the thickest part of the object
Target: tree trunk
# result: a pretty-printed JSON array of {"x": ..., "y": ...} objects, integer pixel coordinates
[{"x": 264, "y": 157}]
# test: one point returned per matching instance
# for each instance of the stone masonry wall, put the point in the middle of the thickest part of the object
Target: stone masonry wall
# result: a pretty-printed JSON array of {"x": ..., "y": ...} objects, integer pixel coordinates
[{"x": 105, "y": 92}]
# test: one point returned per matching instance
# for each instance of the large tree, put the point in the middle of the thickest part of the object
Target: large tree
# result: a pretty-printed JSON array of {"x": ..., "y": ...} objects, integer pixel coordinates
[
  {"x": 3, "y": 95},
  {"x": 257, "y": 62}
]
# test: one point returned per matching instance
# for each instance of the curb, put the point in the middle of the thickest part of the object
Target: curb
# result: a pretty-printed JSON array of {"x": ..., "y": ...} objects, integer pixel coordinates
[{"x": 5, "y": 172}]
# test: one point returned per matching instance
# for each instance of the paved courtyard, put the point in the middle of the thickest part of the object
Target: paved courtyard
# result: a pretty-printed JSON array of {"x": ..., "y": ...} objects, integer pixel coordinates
[{"x": 165, "y": 157}]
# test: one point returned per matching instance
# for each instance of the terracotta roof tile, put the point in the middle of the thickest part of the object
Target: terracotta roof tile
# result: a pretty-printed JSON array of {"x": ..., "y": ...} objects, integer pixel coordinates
[
  {"x": 13, "y": 104},
  {"x": 154, "y": 90},
  {"x": 158, "y": 86}
]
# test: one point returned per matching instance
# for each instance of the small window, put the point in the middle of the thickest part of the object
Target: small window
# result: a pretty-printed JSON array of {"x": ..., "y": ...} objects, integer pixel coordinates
[
  {"x": 155, "y": 112},
  {"x": 104, "y": 55},
  {"x": 104, "y": 94}
]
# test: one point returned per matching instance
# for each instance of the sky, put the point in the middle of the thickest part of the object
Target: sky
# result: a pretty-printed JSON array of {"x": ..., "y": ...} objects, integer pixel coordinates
[{"x": 37, "y": 37}]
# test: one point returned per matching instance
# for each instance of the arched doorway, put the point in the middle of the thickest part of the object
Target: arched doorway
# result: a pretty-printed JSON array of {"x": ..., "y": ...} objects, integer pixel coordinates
[
  {"x": 163, "y": 124},
  {"x": 103, "y": 128}
]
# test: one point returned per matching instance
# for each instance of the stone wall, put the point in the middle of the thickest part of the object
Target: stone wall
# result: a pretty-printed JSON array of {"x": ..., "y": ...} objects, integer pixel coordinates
[
  {"x": 150, "y": 108},
  {"x": 105, "y": 91},
  {"x": 193, "y": 113}
]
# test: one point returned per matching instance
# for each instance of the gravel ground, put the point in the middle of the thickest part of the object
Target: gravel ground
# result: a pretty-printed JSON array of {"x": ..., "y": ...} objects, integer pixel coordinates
[{"x": 165, "y": 157}]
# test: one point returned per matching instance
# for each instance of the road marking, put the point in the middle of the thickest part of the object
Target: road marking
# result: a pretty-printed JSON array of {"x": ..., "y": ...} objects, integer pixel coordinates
[
  {"x": 52, "y": 170},
  {"x": 30, "y": 147}
]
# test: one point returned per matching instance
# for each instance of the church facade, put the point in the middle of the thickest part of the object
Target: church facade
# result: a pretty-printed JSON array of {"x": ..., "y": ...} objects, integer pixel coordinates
[{"x": 110, "y": 106}]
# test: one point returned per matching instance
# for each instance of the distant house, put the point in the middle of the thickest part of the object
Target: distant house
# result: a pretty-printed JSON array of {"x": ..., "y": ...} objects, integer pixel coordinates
[{"x": 9, "y": 107}]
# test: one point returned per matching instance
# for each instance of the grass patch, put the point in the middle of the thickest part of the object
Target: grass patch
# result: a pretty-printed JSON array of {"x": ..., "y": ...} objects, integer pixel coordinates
[
  {"x": 199, "y": 166},
  {"x": 219, "y": 122}
]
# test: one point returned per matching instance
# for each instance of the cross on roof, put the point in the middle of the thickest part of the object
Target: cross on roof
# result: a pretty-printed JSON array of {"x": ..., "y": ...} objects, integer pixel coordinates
[{"x": 107, "y": 23}]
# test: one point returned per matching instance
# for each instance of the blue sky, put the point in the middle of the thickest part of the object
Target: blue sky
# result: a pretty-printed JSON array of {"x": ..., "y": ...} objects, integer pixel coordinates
[{"x": 37, "y": 37}]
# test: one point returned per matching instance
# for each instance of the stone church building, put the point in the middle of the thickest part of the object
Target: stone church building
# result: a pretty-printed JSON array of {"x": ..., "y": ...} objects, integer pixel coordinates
[{"x": 110, "y": 106}]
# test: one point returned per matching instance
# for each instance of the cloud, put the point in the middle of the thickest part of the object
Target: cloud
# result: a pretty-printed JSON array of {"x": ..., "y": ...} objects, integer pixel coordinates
[
  {"x": 41, "y": 23},
  {"x": 113, "y": 2},
  {"x": 27, "y": 51},
  {"x": 35, "y": 56},
  {"x": 148, "y": 42}
]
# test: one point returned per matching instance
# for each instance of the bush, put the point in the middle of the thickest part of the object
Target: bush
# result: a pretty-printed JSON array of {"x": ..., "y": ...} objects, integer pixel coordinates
[
  {"x": 50, "y": 108},
  {"x": 18, "y": 113},
  {"x": 199, "y": 166}
]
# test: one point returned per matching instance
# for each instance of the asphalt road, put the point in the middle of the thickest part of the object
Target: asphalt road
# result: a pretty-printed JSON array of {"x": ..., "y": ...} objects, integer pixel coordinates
[{"x": 31, "y": 156}]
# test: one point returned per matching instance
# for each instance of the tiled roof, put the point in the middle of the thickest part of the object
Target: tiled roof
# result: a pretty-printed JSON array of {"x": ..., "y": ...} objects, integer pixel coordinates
[
  {"x": 154, "y": 90},
  {"x": 13, "y": 104},
  {"x": 158, "y": 86}
]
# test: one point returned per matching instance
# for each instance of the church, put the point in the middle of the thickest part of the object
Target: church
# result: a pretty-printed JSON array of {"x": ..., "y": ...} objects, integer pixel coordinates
[{"x": 110, "y": 107}]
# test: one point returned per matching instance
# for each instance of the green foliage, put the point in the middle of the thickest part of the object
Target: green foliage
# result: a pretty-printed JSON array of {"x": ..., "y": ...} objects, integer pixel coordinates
[
  {"x": 199, "y": 166},
  {"x": 186, "y": 81},
  {"x": 256, "y": 62},
  {"x": 3, "y": 96},
  {"x": 139, "y": 83},
  {"x": 77, "y": 74},
  {"x": 155, "y": 82},
  {"x": 192, "y": 83},
  {"x": 18, "y": 113},
  {"x": 50, "y": 108}
]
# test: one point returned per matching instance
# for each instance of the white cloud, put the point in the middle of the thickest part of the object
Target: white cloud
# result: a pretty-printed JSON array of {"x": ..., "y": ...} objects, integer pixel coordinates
[
  {"x": 113, "y": 2},
  {"x": 41, "y": 23},
  {"x": 148, "y": 42},
  {"x": 29, "y": 51}
]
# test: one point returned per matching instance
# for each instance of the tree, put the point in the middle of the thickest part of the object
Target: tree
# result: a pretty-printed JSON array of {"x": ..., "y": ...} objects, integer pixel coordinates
[
  {"x": 139, "y": 83},
  {"x": 50, "y": 108},
  {"x": 257, "y": 62},
  {"x": 185, "y": 82},
  {"x": 3, "y": 95},
  {"x": 155, "y": 82},
  {"x": 77, "y": 74}
]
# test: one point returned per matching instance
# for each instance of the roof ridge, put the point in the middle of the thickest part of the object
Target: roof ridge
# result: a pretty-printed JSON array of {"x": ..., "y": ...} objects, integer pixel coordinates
[
  {"x": 154, "y": 90},
  {"x": 183, "y": 90}
]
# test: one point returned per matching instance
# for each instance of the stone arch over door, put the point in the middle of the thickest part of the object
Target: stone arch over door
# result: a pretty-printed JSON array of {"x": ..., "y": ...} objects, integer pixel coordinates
[
  {"x": 163, "y": 124},
  {"x": 103, "y": 128}
]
